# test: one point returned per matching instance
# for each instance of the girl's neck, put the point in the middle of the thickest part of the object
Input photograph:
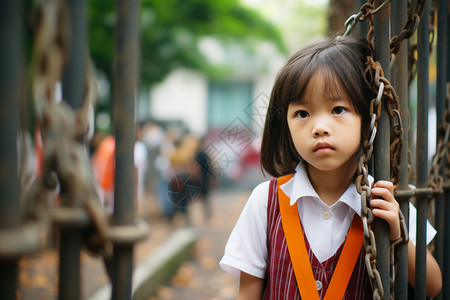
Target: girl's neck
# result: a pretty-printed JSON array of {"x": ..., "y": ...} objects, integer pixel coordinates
[{"x": 331, "y": 185}]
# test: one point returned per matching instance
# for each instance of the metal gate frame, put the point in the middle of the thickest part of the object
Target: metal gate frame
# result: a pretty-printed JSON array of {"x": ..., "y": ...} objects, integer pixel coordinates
[
  {"x": 78, "y": 217},
  {"x": 391, "y": 20}
]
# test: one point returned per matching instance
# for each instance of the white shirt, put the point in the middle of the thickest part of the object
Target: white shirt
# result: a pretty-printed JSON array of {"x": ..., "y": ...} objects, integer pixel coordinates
[{"x": 325, "y": 226}]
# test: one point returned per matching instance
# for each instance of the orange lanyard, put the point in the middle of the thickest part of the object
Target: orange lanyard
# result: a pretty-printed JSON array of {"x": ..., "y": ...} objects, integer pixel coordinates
[{"x": 299, "y": 256}]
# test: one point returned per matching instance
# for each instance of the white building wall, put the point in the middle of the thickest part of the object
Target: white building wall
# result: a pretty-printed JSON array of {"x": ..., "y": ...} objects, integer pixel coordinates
[
  {"x": 262, "y": 88},
  {"x": 182, "y": 96}
]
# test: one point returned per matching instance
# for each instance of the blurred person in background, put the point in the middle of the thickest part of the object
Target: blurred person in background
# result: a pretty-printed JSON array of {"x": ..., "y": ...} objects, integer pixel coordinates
[
  {"x": 184, "y": 187},
  {"x": 103, "y": 164},
  {"x": 153, "y": 136},
  {"x": 165, "y": 172},
  {"x": 203, "y": 173},
  {"x": 141, "y": 164},
  {"x": 103, "y": 167}
]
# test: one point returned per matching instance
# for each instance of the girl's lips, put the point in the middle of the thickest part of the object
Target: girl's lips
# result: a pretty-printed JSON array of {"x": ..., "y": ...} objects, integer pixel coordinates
[{"x": 322, "y": 147}]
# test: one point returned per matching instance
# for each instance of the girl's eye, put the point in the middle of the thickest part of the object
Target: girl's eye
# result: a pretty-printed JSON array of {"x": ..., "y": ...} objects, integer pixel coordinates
[
  {"x": 302, "y": 114},
  {"x": 339, "y": 110}
]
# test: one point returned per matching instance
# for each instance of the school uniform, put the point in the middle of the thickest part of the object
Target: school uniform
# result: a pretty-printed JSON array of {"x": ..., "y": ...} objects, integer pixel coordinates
[
  {"x": 257, "y": 245},
  {"x": 280, "y": 278}
]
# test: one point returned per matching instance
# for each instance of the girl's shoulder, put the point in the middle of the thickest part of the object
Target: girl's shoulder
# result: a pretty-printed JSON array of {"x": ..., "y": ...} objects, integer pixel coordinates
[
  {"x": 261, "y": 190},
  {"x": 260, "y": 195}
]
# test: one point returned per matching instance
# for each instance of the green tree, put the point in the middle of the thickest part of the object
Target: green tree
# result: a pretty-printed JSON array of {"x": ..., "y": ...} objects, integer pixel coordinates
[{"x": 171, "y": 31}]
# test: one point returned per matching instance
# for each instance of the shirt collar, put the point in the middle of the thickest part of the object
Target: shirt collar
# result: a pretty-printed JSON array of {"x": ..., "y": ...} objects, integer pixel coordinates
[{"x": 299, "y": 186}]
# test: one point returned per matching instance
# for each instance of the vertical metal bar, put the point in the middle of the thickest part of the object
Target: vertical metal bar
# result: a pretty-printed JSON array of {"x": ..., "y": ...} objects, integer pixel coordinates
[
  {"x": 382, "y": 147},
  {"x": 422, "y": 151},
  {"x": 441, "y": 64},
  {"x": 446, "y": 265},
  {"x": 125, "y": 86},
  {"x": 400, "y": 82},
  {"x": 73, "y": 77},
  {"x": 9, "y": 112},
  {"x": 69, "y": 264},
  {"x": 362, "y": 27},
  {"x": 10, "y": 49},
  {"x": 73, "y": 88}
]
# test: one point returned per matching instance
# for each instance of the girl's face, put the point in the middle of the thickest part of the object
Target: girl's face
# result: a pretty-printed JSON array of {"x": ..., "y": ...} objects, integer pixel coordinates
[{"x": 326, "y": 132}]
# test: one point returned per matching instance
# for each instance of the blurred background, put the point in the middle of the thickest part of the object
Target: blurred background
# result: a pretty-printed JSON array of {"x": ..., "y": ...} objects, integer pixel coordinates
[{"x": 207, "y": 70}]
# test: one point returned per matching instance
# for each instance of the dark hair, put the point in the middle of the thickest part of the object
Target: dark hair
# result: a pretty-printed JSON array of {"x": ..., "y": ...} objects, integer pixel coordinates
[{"x": 342, "y": 56}]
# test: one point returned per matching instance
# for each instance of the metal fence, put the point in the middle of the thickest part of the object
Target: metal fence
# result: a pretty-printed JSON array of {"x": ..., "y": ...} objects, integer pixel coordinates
[
  {"x": 28, "y": 208},
  {"x": 63, "y": 194},
  {"x": 403, "y": 34}
]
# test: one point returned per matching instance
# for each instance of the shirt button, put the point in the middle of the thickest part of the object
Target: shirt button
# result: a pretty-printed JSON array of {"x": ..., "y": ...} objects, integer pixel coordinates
[
  {"x": 319, "y": 285},
  {"x": 326, "y": 214}
]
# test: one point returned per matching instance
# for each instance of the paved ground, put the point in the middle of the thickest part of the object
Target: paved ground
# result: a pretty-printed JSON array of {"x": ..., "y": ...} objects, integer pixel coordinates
[{"x": 198, "y": 278}]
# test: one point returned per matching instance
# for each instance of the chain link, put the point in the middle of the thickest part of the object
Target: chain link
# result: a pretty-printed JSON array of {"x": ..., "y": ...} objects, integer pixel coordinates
[
  {"x": 363, "y": 188},
  {"x": 412, "y": 48},
  {"x": 415, "y": 13},
  {"x": 66, "y": 161},
  {"x": 363, "y": 13},
  {"x": 436, "y": 180},
  {"x": 447, "y": 118},
  {"x": 385, "y": 92}
]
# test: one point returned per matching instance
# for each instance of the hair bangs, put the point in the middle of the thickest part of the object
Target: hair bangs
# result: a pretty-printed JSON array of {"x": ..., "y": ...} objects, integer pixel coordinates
[{"x": 332, "y": 85}]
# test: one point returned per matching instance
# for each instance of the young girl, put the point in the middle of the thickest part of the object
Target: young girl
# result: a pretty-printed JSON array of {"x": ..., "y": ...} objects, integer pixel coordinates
[{"x": 295, "y": 228}]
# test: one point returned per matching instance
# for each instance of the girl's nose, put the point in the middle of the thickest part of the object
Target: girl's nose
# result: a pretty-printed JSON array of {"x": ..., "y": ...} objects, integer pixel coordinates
[
  {"x": 319, "y": 131},
  {"x": 321, "y": 128}
]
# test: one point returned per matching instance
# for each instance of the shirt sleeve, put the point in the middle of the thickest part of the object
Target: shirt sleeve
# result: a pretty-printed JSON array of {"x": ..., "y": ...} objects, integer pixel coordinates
[
  {"x": 246, "y": 249},
  {"x": 431, "y": 232}
]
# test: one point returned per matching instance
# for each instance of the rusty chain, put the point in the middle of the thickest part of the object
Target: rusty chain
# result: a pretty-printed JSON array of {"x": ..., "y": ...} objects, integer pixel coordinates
[
  {"x": 385, "y": 92},
  {"x": 412, "y": 48},
  {"x": 36, "y": 196},
  {"x": 415, "y": 12},
  {"x": 60, "y": 127},
  {"x": 67, "y": 173},
  {"x": 363, "y": 187},
  {"x": 447, "y": 166},
  {"x": 367, "y": 10},
  {"x": 436, "y": 180}
]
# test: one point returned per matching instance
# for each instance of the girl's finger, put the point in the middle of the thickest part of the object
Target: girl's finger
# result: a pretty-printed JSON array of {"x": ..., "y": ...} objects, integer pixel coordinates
[
  {"x": 385, "y": 184},
  {"x": 384, "y": 205},
  {"x": 383, "y": 193},
  {"x": 388, "y": 216},
  {"x": 392, "y": 219}
]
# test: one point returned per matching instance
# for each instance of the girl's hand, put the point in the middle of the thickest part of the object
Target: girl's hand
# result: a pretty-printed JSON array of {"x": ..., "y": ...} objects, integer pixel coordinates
[{"x": 386, "y": 207}]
